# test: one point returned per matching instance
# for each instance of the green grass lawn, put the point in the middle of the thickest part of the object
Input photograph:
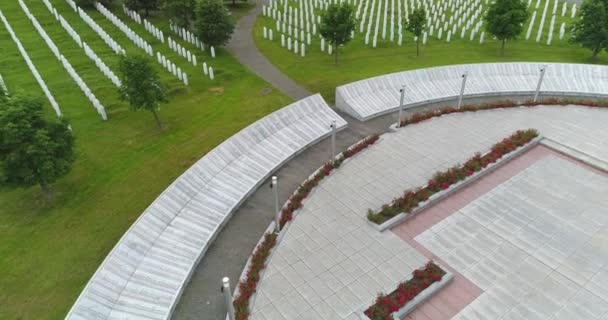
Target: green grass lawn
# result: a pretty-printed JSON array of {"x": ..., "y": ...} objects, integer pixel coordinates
[
  {"x": 318, "y": 73},
  {"x": 49, "y": 251}
]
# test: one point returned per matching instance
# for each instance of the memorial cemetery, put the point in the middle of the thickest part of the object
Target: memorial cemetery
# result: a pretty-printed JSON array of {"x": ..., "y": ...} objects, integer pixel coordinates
[
  {"x": 454, "y": 33},
  {"x": 311, "y": 159}
]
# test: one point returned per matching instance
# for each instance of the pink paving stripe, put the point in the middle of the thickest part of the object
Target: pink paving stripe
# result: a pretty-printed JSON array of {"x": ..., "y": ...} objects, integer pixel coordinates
[{"x": 454, "y": 297}]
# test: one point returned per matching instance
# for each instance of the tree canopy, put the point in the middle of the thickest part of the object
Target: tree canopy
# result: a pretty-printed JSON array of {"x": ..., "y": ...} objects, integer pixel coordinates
[
  {"x": 214, "y": 25},
  {"x": 505, "y": 19},
  {"x": 416, "y": 24},
  {"x": 146, "y": 5},
  {"x": 590, "y": 29},
  {"x": 181, "y": 12},
  {"x": 141, "y": 86},
  {"x": 337, "y": 25},
  {"x": 33, "y": 151}
]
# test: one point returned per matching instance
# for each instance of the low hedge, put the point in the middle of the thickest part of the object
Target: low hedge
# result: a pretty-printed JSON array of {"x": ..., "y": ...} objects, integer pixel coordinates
[
  {"x": 443, "y": 180},
  {"x": 248, "y": 286},
  {"x": 504, "y": 104},
  {"x": 385, "y": 305}
]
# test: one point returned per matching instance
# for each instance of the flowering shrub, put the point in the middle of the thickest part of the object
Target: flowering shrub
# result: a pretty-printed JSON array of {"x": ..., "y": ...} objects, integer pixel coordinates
[
  {"x": 425, "y": 115},
  {"x": 295, "y": 201},
  {"x": 248, "y": 286},
  {"x": 443, "y": 180},
  {"x": 385, "y": 305}
]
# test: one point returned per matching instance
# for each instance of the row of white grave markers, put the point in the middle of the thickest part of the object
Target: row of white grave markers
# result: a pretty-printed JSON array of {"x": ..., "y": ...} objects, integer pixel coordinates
[
  {"x": 132, "y": 35},
  {"x": 172, "y": 68},
  {"x": 437, "y": 22},
  {"x": 101, "y": 65},
  {"x": 156, "y": 32},
  {"x": 542, "y": 21},
  {"x": 68, "y": 28},
  {"x": 40, "y": 30},
  {"x": 85, "y": 89},
  {"x": 188, "y": 36},
  {"x": 297, "y": 47},
  {"x": 102, "y": 33},
  {"x": 185, "y": 53},
  {"x": 87, "y": 50},
  {"x": 444, "y": 19},
  {"x": 268, "y": 33},
  {"x": 3, "y": 84},
  {"x": 73, "y": 5},
  {"x": 49, "y": 6},
  {"x": 31, "y": 66},
  {"x": 208, "y": 71},
  {"x": 552, "y": 22},
  {"x": 144, "y": 45},
  {"x": 131, "y": 14},
  {"x": 66, "y": 64}
]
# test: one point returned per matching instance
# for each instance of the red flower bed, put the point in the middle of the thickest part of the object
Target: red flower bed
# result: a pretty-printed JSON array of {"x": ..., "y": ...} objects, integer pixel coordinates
[
  {"x": 385, "y": 305},
  {"x": 295, "y": 201},
  {"x": 425, "y": 115},
  {"x": 443, "y": 180},
  {"x": 248, "y": 286}
]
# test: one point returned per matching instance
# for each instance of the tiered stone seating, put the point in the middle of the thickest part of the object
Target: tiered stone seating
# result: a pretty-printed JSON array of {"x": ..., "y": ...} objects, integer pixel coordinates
[
  {"x": 372, "y": 97},
  {"x": 143, "y": 276}
]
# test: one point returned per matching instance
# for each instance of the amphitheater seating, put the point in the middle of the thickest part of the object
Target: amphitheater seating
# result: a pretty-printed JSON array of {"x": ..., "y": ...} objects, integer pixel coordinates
[
  {"x": 143, "y": 276},
  {"x": 372, "y": 97}
]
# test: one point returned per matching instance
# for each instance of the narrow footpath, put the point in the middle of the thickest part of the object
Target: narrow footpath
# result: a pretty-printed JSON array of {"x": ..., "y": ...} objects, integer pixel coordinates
[
  {"x": 227, "y": 255},
  {"x": 242, "y": 47}
]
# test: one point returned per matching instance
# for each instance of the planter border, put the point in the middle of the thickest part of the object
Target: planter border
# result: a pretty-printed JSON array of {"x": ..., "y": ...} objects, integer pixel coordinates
[
  {"x": 423, "y": 115},
  {"x": 577, "y": 154},
  {"x": 341, "y": 157},
  {"x": 439, "y": 196},
  {"x": 420, "y": 298}
]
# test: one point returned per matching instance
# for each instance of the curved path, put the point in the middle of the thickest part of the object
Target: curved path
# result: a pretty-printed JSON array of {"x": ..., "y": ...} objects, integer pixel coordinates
[
  {"x": 242, "y": 46},
  {"x": 228, "y": 253},
  {"x": 332, "y": 263}
]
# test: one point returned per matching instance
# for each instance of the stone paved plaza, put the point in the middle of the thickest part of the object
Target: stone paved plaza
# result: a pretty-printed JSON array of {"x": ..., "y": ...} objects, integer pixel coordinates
[
  {"x": 331, "y": 263},
  {"x": 536, "y": 244}
]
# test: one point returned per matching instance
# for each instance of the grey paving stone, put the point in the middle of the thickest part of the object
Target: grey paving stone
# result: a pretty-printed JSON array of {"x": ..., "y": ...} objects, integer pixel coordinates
[
  {"x": 521, "y": 224},
  {"x": 143, "y": 276}
]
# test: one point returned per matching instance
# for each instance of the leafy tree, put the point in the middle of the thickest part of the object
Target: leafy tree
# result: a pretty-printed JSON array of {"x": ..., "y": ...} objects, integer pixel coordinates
[
  {"x": 141, "y": 86},
  {"x": 32, "y": 149},
  {"x": 146, "y": 5},
  {"x": 214, "y": 25},
  {"x": 416, "y": 24},
  {"x": 337, "y": 25},
  {"x": 180, "y": 12},
  {"x": 505, "y": 20},
  {"x": 590, "y": 29}
]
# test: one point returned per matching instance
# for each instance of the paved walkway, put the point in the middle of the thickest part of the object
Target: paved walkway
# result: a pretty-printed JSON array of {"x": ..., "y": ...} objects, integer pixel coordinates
[
  {"x": 450, "y": 301},
  {"x": 243, "y": 48},
  {"x": 332, "y": 263},
  {"x": 535, "y": 244},
  {"x": 229, "y": 252}
]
